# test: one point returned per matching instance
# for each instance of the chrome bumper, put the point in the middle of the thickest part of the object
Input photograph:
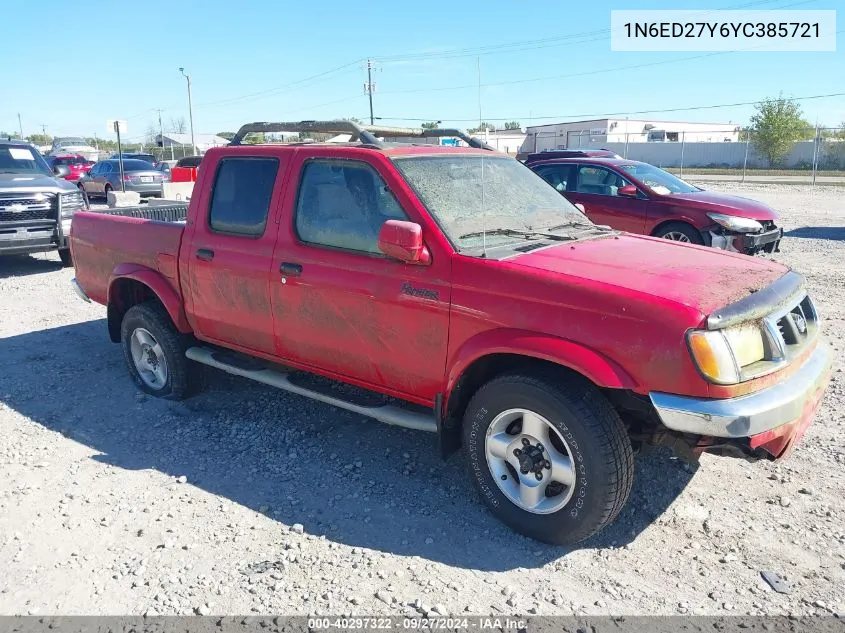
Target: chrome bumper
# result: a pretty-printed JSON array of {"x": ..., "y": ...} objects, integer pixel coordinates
[
  {"x": 79, "y": 291},
  {"x": 751, "y": 414}
]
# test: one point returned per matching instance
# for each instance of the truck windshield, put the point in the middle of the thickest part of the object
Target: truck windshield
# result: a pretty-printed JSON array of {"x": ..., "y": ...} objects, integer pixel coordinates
[
  {"x": 20, "y": 159},
  {"x": 658, "y": 180},
  {"x": 514, "y": 198}
]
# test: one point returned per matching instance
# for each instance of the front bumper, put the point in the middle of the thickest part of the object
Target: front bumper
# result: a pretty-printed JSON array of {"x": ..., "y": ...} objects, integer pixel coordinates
[
  {"x": 746, "y": 243},
  {"x": 773, "y": 418}
]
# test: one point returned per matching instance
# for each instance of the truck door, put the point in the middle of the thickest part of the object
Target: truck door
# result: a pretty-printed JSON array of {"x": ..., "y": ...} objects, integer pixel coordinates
[
  {"x": 230, "y": 249},
  {"x": 340, "y": 305}
]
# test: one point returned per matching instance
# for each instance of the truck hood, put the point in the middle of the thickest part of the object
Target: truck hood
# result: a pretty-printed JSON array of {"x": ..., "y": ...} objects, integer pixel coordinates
[
  {"x": 696, "y": 276},
  {"x": 727, "y": 204},
  {"x": 34, "y": 182}
]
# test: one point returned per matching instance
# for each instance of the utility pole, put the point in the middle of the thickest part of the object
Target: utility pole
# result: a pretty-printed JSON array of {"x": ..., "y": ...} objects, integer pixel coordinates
[
  {"x": 20, "y": 125},
  {"x": 160, "y": 132},
  {"x": 190, "y": 110},
  {"x": 370, "y": 87}
]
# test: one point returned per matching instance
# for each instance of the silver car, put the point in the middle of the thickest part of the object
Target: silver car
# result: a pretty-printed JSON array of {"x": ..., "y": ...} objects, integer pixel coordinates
[{"x": 138, "y": 175}]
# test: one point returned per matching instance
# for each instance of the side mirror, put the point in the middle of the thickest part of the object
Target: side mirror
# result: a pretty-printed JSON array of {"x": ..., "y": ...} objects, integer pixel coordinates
[
  {"x": 403, "y": 241},
  {"x": 629, "y": 191},
  {"x": 61, "y": 171}
]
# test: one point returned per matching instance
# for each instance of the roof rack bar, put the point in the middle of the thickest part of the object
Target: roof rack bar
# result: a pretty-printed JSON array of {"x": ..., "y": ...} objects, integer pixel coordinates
[{"x": 365, "y": 133}]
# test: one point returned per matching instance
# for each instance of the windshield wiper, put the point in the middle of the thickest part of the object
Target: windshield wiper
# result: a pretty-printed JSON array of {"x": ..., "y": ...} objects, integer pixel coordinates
[
  {"x": 525, "y": 234},
  {"x": 586, "y": 225}
]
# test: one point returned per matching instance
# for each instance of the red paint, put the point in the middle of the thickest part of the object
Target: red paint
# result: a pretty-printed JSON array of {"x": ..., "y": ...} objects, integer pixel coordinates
[
  {"x": 614, "y": 309},
  {"x": 644, "y": 214}
]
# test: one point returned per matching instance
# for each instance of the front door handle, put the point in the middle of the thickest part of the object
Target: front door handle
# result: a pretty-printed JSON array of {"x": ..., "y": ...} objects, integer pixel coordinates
[
  {"x": 205, "y": 254},
  {"x": 291, "y": 270}
]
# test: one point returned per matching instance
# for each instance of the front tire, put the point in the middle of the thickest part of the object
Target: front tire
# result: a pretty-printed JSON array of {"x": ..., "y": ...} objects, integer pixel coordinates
[
  {"x": 550, "y": 458},
  {"x": 65, "y": 256},
  {"x": 680, "y": 232},
  {"x": 154, "y": 351}
]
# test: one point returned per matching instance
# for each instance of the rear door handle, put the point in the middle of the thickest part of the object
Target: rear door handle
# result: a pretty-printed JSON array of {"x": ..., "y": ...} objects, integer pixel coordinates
[
  {"x": 291, "y": 270},
  {"x": 205, "y": 254}
]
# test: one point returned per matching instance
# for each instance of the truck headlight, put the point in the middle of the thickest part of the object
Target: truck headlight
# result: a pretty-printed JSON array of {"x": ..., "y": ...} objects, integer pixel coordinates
[
  {"x": 71, "y": 203},
  {"x": 734, "y": 223},
  {"x": 721, "y": 354}
]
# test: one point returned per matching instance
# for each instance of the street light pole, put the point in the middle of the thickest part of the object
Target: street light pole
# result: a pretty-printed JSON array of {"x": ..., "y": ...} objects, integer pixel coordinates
[{"x": 190, "y": 110}]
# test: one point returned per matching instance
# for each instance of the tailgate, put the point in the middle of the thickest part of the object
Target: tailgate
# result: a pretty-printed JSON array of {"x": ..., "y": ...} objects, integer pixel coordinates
[{"x": 102, "y": 241}]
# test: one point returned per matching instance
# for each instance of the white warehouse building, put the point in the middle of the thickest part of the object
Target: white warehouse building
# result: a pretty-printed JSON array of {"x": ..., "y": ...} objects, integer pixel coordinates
[{"x": 598, "y": 132}]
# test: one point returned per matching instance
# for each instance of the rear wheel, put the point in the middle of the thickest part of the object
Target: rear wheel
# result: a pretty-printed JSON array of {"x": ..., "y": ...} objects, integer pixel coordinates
[
  {"x": 154, "y": 351},
  {"x": 550, "y": 458},
  {"x": 106, "y": 191},
  {"x": 679, "y": 232},
  {"x": 65, "y": 256}
]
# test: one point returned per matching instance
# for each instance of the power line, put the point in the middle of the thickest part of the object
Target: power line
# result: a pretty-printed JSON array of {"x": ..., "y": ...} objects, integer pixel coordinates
[
  {"x": 579, "y": 74},
  {"x": 593, "y": 115},
  {"x": 562, "y": 40},
  {"x": 278, "y": 88}
]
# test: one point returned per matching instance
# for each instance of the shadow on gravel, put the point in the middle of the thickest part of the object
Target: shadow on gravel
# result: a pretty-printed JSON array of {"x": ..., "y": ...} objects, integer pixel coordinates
[
  {"x": 818, "y": 232},
  {"x": 22, "y": 265},
  {"x": 356, "y": 481}
]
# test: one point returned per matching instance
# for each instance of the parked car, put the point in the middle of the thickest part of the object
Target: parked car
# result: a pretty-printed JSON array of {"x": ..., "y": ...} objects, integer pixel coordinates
[
  {"x": 640, "y": 198},
  {"x": 37, "y": 204},
  {"x": 165, "y": 170},
  {"x": 186, "y": 169},
  {"x": 457, "y": 281},
  {"x": 150, "y": 158},
  {"x": 76, "y": 164},
  {"x": 569, "y": 153},
  {"x": 138, "y": 175},
  {"x": 63, "y": 146}
]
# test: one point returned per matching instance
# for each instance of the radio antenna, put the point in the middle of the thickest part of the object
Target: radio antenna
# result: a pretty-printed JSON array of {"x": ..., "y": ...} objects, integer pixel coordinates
[{"x": 481, "y": 130}]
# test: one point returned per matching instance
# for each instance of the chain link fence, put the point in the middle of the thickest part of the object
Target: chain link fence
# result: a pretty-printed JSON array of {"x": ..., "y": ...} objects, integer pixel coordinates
[{"x": 818, "y": 156}]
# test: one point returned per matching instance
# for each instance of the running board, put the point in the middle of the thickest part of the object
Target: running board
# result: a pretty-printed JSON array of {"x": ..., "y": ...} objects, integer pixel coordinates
[{"x": 389, "y": 414}]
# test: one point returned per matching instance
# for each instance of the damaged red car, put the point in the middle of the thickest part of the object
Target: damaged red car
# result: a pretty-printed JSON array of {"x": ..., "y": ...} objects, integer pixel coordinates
[{"x": 640, "y": 198}]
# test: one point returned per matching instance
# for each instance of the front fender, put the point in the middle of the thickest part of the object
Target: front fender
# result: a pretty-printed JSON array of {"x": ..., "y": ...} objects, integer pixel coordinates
[
  {"x": 159, "y": 285},
  {"x": 598, "y": 368}
]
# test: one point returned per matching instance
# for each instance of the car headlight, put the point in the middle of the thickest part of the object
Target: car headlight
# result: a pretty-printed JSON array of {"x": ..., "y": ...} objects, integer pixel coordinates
[
  {"x": 71, "y": 203},
  {"x": 734, "y": 223},
  {"x": 721, "y": 354}
]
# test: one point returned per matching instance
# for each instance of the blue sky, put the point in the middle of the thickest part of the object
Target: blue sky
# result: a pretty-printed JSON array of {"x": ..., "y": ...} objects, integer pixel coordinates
[{"x": 65, "y": 68}]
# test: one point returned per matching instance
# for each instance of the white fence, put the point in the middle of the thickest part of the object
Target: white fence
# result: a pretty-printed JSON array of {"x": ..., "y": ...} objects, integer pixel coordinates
[{"x": 824, "y": 151}]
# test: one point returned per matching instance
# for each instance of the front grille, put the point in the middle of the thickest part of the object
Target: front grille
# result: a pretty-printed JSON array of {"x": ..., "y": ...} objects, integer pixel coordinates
[
  {"x": 786, "y": 333},
  {"x": 18, "y": 207},
  {"x": 796, "y": 327}
]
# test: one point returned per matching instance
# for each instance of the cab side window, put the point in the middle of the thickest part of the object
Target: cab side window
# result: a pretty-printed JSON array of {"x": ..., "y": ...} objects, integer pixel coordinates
[
  {"x": 343, "y": 204},
  {"x": 240, "y": 199}
]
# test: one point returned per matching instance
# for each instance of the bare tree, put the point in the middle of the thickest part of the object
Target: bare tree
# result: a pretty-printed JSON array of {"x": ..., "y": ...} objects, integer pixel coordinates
[
  {"x": 177, "y": 124},
  {"x": 150, "y": 134}
]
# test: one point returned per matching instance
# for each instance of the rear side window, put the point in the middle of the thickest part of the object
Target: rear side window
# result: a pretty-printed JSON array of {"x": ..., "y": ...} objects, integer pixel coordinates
[
  {"x": 240, "y": 200},
  {"x": 558, "y": 176}
]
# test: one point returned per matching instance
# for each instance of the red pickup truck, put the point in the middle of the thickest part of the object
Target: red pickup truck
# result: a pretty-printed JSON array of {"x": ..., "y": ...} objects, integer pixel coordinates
[{"x": 473, "y": 301}]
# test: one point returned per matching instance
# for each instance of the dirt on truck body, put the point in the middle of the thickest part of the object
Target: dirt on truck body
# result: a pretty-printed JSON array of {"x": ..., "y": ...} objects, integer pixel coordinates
[{"x": 475, "y": 301}]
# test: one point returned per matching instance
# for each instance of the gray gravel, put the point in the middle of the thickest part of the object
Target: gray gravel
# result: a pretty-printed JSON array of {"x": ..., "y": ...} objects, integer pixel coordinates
[{"x": 246, "y": 499}]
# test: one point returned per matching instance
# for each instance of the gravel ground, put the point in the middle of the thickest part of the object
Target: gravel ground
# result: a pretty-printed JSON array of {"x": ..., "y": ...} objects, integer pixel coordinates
[{"x": 248, "y": 500}]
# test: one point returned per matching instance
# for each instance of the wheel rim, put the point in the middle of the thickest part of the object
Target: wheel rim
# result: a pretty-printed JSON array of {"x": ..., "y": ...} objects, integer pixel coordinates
[
  {"x": 676, "y": 236},
  {"x": 148, "y": 358},
  {"x": 530, "y": 461}
]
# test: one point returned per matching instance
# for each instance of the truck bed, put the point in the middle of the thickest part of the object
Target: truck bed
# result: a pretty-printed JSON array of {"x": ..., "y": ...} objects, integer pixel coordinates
[{"x": 147, "y": 237}]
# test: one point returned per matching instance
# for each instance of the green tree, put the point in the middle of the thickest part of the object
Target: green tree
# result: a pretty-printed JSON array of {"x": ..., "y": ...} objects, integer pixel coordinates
[
  {"x": 227, "y": 135},
  {"x": 430, "y": 125},
  {"x": 490, "y": 127},
  {"x": 40, "y": 139},
  {"x": 513, "y": 125},
  {"x": 776, "y": 125}
]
